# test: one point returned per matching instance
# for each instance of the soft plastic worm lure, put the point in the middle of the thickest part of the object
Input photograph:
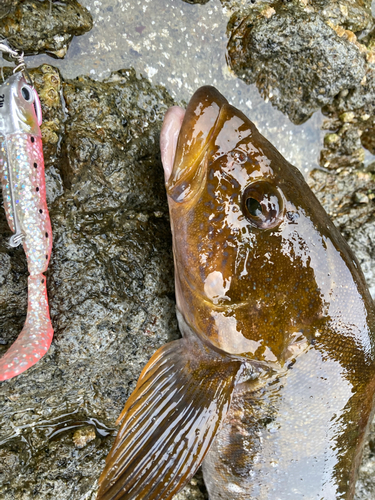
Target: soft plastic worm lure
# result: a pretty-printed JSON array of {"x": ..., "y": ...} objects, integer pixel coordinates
[{"x": 24, "y": 196}]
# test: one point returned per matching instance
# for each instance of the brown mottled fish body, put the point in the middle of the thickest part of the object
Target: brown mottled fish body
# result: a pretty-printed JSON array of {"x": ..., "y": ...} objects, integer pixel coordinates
[{"x": 272, "y": 386}]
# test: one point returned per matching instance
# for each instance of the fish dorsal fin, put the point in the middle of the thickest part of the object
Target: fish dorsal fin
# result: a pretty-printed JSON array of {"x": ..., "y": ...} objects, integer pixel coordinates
[{"x": 169, "y": 422}]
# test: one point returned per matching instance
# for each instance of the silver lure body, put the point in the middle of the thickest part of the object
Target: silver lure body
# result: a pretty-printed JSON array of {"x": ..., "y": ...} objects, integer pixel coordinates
[{"x": 24, "y": 195}]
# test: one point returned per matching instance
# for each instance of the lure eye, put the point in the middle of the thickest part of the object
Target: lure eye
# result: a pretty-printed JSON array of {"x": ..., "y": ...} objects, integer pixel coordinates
[
  {"x": 27, "y": 93},
  {"x": 262, "y": 205}
]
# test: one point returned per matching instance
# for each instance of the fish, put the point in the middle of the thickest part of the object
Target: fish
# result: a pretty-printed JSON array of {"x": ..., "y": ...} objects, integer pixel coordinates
[
  {"x": 271, "y": 387},
  {"x": 24, "y": 197}
]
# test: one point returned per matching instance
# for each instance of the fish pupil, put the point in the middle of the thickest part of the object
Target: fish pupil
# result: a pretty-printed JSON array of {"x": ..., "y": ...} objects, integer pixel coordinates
[
  {"x": 262, "y": 204},
  {"x": 254, "y": 207}
]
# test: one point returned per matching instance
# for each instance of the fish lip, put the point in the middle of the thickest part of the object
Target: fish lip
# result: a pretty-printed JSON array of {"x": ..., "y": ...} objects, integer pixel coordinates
[
  {"x": 204, "y": 149},
  {"x": 169, "y": 133},
  {"x": 175, "y": 181}
]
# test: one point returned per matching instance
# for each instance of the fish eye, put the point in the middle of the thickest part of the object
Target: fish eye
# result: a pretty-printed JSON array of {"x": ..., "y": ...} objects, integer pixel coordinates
[
  {"x": 262, "y": 205},
  {"x": 26, "y": 93}
]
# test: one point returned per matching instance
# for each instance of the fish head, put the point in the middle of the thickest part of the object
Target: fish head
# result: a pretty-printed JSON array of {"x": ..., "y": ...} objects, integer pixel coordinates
[
  {"x": 261, "y": 272},
  {"x": 20, "y": 109}
]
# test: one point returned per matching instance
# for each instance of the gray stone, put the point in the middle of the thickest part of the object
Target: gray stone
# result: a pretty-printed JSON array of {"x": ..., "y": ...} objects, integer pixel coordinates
[
  {"x": 43, "y": 26},
  {"x": 351, "y": 115},
  {"x": 353, "y": 15},
  {"x": 297, "y": 59},
  {"x": 5, "y": 7}
]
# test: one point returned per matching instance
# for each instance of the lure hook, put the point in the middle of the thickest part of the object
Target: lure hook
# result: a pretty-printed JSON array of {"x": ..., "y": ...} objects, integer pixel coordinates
[{"x": 19, "y": 60}]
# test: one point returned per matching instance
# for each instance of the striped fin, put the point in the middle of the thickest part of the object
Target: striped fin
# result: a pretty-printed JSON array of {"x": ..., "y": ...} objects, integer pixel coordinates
[{"x": 169, "y": 422}]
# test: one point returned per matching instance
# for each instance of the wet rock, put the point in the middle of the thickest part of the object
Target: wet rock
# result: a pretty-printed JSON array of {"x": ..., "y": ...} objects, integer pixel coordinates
[
  {"x": 297, "y": 58},
  {"x": 353, "y": 15},
  {"x": 5, "y": 7},
  {"x": 348, "y": 196},
  {"x": 83, "y": 436},
  {"x": 43, "y": 26},
  {"x": 343, "y": 148},
  {"x": 110, "y": 283},
  {"x": 351, "y": 118},
  {"x": 195, "y": 490}
]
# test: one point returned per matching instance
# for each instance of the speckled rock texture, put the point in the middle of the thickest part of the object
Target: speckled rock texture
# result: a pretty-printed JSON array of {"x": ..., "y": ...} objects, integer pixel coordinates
[
  {"x": 354, "y": 15},
  {"x": 300, "y": 54},
  {"x": 350, "y": 124},
  {"x": 5, "y": 7},
  {"x": 43, "y": 26}
]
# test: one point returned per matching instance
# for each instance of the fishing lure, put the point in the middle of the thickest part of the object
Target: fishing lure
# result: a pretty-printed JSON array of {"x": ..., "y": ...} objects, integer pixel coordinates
[{"x": 24, "y": 197}]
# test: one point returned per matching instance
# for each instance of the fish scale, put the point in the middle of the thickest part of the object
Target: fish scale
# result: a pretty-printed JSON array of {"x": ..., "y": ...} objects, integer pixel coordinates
[{"x": 24, "y": 194}]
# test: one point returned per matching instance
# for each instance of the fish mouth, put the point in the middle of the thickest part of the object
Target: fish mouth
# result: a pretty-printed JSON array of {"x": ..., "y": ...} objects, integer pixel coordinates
[
  {"x": 184, "y": 141},
  {"x": 168, "y": 138}
]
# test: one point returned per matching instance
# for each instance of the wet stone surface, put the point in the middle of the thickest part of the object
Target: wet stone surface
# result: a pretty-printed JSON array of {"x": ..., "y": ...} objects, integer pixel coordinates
[
  {"x": 5, "y": 7},
  {"x": 43, "y": 26},
  {"x": 353, "y": 15},
  {"x": 83, "y": 436},
  {"x": 300, "y": 54},
  {"x": 350, "y": 125}
]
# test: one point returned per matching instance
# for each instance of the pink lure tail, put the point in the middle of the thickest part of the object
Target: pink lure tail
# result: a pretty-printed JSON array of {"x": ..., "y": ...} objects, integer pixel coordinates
[
  {"x": 24, "y": 196},
  {"x": 36, "y": 335}
]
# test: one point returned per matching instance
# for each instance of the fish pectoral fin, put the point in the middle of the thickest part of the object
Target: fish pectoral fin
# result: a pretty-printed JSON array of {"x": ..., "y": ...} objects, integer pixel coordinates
[{"x": 169, "y": 422}]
